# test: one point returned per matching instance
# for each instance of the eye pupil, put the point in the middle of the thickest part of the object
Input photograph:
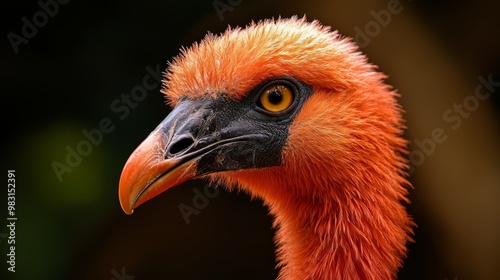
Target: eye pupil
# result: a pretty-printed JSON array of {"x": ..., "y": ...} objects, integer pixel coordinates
[{"x": 275, "y": 97}]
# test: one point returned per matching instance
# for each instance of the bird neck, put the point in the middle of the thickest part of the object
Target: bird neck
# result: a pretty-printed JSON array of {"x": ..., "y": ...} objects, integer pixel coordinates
[
  {"x": 340, "y": 236},
  {"x": 355, "y": 230}
]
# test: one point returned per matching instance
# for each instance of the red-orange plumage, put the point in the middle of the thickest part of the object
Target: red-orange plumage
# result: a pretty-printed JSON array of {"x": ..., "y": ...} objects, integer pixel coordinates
[{"x": 337, "y": 198}]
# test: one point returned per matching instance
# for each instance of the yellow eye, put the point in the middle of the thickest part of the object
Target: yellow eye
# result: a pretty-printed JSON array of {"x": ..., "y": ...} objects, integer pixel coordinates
[{"x": 276, "y": 98}]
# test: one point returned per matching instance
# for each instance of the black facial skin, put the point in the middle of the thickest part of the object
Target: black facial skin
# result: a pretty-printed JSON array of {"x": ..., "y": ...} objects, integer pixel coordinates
[{"x": 231, "y": 135}]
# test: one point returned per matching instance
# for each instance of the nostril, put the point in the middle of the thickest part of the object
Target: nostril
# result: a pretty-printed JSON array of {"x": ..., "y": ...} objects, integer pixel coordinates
[{"x": 180, "y": 145}]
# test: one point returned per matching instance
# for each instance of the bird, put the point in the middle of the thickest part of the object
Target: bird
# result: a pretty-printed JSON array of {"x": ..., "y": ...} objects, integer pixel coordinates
[{"x": 293, "y": 113}]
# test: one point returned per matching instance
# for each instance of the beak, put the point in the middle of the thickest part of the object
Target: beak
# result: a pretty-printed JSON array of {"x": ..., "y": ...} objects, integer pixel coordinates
[
  {"x": 147, "y": 174},
  {"x": 152, "y": 169},
  {"x": 196, "y": 139}
]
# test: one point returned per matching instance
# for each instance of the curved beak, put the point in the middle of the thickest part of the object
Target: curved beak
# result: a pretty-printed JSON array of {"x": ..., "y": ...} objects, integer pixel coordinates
[
  {"x": 151, "y": 169},
  {"x": 195, "y": 139},
  {"x": 147, "y": 174}
]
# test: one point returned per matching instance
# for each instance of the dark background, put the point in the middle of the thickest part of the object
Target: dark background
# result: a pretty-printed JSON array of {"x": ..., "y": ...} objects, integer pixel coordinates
[{"x": 65, "y": 78}]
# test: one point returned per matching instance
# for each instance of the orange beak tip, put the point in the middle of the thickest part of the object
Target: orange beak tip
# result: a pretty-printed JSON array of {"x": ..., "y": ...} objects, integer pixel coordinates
[{"x": 147, "y": 174}]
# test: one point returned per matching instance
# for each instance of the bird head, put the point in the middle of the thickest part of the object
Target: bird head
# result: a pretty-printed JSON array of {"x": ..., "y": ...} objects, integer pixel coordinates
[{"x": 283, "y": 108}]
